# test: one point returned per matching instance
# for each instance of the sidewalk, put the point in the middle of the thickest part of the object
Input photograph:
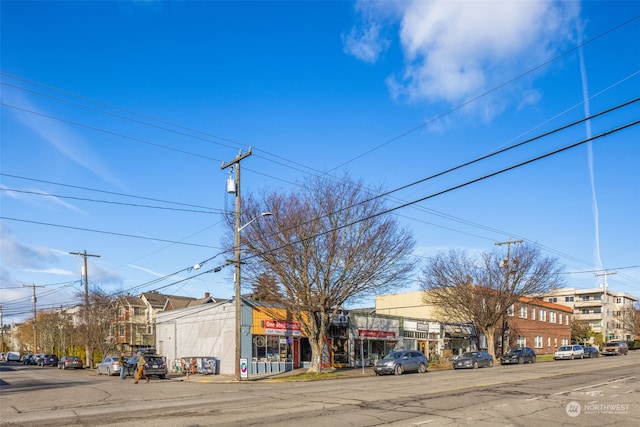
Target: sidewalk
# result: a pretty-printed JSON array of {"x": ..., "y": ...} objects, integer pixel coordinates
[{"x": 224, "y": 378}]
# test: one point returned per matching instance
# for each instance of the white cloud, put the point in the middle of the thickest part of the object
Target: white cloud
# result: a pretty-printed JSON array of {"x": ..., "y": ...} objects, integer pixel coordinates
[
  {"x": 457, "y": 50},
  {"x": 365, "y": 44},
  {"x": 18, "y": 255}
]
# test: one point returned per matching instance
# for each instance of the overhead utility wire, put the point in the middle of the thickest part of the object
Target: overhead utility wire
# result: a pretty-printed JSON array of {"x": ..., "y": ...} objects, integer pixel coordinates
[
  {"x": 105, "y": 232},
  {"x": 478, "y": 159},
  {"x": 103, "y": 191},
  {"x": 467, "y": 183},
  {"x": 39, "y": 193}
]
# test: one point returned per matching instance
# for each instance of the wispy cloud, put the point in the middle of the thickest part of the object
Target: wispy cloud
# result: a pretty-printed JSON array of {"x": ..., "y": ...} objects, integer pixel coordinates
[
  {"x": 457, "y": 50},
  {"x": 70, "y": 144},
  {"x": 38, "y": 198}
]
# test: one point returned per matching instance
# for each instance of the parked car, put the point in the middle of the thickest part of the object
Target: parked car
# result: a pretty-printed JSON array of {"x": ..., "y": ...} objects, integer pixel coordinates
[
  {"x": 569, "y": 352},
  {"x": 398, "y": 362},
  {"x": 29, "y": 359},
  {"x": 12, "y": 356},
  {"x": 48, "y": 360},
  {"x": 518, "y": 355},
  {"x": 590, "y": 352},
  {"x": 156, "y": 365},
  {"x": 473, "y": 359},
  {"x": 615, "y": 348},
  {"x": 68, "y": 362},
  {"x": 108, "y": 366}
]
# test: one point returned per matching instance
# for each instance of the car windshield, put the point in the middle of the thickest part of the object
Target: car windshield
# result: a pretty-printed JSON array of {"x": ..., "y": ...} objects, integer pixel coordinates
[
  {"x": 565, "y": 348},
  {"x": 470, "y": 354},
  {"x": 394, "y": 355},
  {"x": 515, "y": 351}
]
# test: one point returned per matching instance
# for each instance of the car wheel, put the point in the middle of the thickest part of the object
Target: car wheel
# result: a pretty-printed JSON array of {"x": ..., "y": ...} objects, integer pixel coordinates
[
  {"x": 520, "y": 360},
  {"x": 422, "y": 368},
  {"x": 475, "y": 365},
  {"x": 533, "y": 359},
  {"x": 571, "y": 357},
  {"x": 162, "y": 376},
  {"x": 399, "y": 370},
  {"x": 108, "y": 372}
]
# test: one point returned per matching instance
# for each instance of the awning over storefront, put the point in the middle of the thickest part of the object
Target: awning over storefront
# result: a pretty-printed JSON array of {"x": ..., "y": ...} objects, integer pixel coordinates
[{"x": 460, "y": 330}]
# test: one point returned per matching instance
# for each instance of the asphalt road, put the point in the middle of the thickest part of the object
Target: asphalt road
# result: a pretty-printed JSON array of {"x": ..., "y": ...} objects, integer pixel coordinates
[{"x": 597, "y": 392}]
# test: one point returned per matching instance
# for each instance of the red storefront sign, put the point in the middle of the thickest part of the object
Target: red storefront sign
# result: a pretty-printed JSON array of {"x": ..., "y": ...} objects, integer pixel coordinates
[
  {"x": 282, "y": 327},
  {"x": 369, "y": 333}
]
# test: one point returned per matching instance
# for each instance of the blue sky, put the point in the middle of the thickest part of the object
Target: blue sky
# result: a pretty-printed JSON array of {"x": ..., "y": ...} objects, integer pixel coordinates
[{"x": 107, "y": 106}]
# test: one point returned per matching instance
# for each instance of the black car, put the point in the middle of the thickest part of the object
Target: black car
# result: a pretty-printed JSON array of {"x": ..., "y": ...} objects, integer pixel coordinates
[
  {"x": 519, "y": 355},
  {"x": 48, "y": 360},
  {"x": 29, "y": 359},
  {"x": 473, "y": 359},
  {"x": 591, "y": 352},
  {"x": 154, "y": 365}
]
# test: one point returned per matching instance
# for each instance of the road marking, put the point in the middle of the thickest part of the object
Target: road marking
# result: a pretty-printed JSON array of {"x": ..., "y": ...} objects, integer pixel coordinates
[
  {"x": 423, "y": 422},
  {"x": 594, "y": 385},
  {"x": 531, "y": 398}
]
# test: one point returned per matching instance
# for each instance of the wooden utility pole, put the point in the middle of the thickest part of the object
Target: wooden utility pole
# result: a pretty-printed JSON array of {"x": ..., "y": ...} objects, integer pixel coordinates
[
  {"x": 87, "y": 319},
  {"x": 238, "y": 304},
  {"x": 35, "y": 316},
  {"x": 507, "y": 266}
]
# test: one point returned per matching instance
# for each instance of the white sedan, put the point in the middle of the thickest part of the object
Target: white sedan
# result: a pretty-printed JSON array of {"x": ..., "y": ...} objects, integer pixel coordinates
[
  {"x": 108, "y": 366},
  {"x": 569, "y": 352}
]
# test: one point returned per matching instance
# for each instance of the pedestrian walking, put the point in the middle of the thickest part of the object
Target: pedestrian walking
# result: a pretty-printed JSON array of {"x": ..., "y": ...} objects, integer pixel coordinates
[
  {"x": 122, "y": 362},
  {"x": 140, "y": 372}
]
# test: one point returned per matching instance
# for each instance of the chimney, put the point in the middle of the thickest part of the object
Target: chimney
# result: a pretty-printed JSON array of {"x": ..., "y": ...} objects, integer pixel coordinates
[{"x": 207, "y": 295}]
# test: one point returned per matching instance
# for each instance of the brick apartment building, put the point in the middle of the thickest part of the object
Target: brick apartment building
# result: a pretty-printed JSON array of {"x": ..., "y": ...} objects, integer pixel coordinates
[{"x": 538, "y": 324}]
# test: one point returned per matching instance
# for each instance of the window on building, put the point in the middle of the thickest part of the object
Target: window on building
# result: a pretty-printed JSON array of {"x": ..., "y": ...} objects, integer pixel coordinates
[
  {"x": 548, "y": 341},
  {"x": 565, "y": 341},
  {"x": 537, "y": 342},
  {"x": 510, "y": 311},
  {"x": 560, "y": 318},
  {"x": 523, "y": 312},
  {"x": 121, "y": 330},
  {"x": 552, "y": 317},
  {"x": 566, "y": 320},
  {"x": 137, "y": 311},
  {"x": 568, "y": 299},
  {"x": 555, "y": 342},
  {"x": 585, "y": 311},
  {"x": 618, "y": 300},
  {"x": 521, "y": 342},
  {"x": 553, "y": 299},
  {"x": 585, "y": 297},
  {"x": 543, "y": 316},
  {"x": 597, "y": 310},
  {"x": 597, "y": 296},
  {"x": 122, "y": 311},
  {"x": 533, "y": 314}
]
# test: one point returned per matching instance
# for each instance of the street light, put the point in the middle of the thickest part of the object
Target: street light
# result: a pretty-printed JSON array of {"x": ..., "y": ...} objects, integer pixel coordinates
[{"x": 238, "y": 302}]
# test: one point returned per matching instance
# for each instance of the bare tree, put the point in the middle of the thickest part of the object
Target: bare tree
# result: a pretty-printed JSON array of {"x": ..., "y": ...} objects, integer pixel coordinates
[
  {"x": 99, "y": 328},
  {"x": 328, "y": 244},
  {"x": 482, "y": 290}
]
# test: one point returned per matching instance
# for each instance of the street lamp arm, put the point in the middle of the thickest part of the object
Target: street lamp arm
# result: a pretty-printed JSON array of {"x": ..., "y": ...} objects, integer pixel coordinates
[{"x": 254, "y": 219}]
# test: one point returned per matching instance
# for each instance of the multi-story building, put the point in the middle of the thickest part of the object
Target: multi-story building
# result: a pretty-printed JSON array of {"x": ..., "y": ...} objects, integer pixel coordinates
[
  {"x": 608, "y": 313},
  {"x": 136, "y": 316},
  {"x": 535, "y": 323}
]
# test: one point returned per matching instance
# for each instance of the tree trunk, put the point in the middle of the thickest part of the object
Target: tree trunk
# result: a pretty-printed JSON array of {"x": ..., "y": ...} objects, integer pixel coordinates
[
  {"x": 317, "y": 344},
  {"x": 490, "y": 333}
]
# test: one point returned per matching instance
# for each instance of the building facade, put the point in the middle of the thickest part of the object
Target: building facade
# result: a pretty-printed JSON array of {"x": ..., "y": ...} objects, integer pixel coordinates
[
  {"x": 608, "y": 312},
  {"x": 535, "y": 323}
]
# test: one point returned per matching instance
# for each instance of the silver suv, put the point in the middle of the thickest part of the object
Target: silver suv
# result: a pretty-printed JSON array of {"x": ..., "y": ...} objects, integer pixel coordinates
[{"x": 615, "y": 348}]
